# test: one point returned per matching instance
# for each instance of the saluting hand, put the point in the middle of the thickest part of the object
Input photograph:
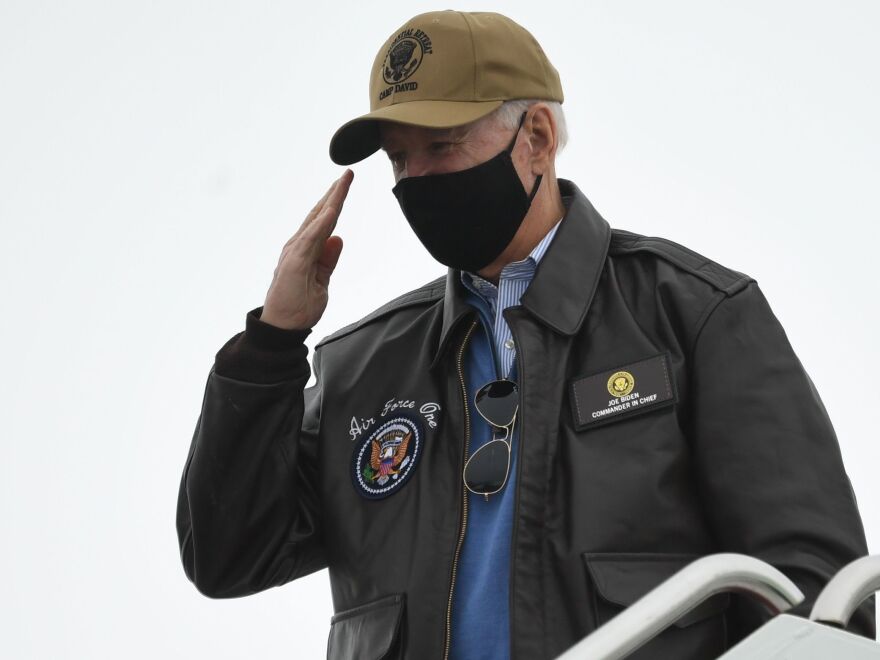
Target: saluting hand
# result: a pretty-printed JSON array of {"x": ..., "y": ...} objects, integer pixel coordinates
[{"x": 297, "y": 296}]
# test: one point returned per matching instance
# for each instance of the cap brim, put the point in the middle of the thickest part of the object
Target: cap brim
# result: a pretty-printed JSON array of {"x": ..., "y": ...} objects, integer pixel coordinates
[{"x": 359, "y": 138}]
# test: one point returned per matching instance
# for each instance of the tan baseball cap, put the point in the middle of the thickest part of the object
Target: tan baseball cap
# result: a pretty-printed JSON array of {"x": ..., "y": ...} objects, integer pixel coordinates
[{"x": 444, "y": 69}]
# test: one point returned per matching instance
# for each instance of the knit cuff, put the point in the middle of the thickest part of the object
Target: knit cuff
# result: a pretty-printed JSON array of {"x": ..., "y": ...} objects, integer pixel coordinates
[{"x": 263, "y": 353}]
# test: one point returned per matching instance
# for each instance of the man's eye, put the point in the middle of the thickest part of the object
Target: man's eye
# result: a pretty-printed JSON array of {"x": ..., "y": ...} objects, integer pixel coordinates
[{"x": 441, "y": 147}]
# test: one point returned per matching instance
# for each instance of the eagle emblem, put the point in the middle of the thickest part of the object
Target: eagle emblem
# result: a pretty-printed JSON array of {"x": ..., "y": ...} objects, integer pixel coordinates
[
  {"x": 388, "y": 455},
  {"x": 621, "y": 383},
  {"x": 384, "y": 460},
  {"x": 402, "y": 60}
]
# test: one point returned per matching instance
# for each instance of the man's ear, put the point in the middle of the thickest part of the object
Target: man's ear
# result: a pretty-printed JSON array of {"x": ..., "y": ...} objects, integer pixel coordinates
[{"x": 540, "y": 126}]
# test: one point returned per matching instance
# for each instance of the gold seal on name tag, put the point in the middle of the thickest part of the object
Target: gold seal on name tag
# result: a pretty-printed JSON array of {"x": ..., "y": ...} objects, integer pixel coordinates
[{"x": 621, "y": 383}]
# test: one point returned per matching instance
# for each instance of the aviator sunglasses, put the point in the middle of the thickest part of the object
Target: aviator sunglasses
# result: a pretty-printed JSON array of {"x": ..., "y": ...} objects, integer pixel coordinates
[{"x": 485, "y": 472}]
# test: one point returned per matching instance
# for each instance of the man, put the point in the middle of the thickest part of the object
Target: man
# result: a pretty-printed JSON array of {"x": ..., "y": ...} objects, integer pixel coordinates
[{"x": 498, "y": 462}]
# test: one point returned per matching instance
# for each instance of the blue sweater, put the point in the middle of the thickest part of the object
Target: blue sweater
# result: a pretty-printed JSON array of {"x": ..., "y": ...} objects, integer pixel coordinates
[{"x": 480, "y": 607}]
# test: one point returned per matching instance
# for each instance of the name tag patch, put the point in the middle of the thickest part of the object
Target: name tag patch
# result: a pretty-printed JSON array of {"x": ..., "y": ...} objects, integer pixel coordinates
[{"x": 624, "y": 390}]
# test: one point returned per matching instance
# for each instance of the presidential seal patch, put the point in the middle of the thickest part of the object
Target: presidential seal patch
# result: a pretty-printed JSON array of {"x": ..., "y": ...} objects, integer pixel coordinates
[
  {"x": 385, "y": 460},
  {"x": 621, "y": 383},
  {"x": 405, "y": 55}
]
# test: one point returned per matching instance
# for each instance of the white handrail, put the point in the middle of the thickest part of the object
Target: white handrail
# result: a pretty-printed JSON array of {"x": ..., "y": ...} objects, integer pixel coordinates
[
  {"x": 846, "y": 591},
  {"x": 669, "y": 601}
]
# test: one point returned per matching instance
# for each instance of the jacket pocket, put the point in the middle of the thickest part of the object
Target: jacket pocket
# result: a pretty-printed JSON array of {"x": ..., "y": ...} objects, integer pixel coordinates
[
  {"x": 372, "y": 631},
  {"x": 621, "y": 579}
]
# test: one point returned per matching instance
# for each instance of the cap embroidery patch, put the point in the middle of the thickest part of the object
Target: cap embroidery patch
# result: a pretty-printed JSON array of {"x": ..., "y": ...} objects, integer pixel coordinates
[
  {"x": 405, "y": 55},
  {"x": 386, "y": 459}
]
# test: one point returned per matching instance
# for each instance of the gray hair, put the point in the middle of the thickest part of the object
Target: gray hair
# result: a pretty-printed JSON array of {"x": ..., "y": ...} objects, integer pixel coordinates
[{"x": 509, "y": 112}]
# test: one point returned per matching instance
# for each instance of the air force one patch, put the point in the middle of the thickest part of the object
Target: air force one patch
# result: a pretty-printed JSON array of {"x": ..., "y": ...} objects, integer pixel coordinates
[
  {"x": 384, "y": 460},
  {"x": 625, "y": 390}
]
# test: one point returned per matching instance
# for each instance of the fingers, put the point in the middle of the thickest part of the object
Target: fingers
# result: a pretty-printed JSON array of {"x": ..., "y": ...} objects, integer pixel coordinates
[
  {"x": 323, "y": 224},
  {"x": 339, "y": 192},
  {"x": 328, "y": 259},
  {"x": 333, "y": 205},
  {"x": 334, "y": 195},
  {"x": 317, "y": 208},
  {"x": 311, "y": 214}
]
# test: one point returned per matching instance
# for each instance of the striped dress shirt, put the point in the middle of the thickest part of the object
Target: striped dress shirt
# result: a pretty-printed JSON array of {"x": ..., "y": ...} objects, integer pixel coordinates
[{"x": 514, "y": 280}]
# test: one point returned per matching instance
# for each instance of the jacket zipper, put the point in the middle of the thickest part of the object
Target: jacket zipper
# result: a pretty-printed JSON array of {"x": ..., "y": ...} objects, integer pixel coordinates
[
  {"x": 464, "y": 513},
  {"x": 520, "y": 380}
]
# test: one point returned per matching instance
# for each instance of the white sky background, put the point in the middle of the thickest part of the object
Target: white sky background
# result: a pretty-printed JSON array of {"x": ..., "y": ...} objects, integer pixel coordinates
[{"x": 155, "y": 157}]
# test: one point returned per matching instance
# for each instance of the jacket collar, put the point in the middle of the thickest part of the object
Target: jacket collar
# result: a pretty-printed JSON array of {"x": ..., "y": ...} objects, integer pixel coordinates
[{"x": 565, "y": 281}]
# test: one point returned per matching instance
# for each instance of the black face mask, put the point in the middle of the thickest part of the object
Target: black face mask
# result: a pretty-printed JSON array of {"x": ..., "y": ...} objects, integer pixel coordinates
[{"x": 466, "y": 219}]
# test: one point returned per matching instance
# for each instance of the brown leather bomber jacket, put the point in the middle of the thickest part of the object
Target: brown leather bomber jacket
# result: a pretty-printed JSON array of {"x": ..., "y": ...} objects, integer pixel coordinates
[{"x": 716, "y": 442}]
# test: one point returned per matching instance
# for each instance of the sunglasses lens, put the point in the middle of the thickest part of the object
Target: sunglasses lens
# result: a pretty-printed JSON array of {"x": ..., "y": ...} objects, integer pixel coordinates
[
  {"x": 497, "y": 401},
  {"x": 486, "y": 471}
]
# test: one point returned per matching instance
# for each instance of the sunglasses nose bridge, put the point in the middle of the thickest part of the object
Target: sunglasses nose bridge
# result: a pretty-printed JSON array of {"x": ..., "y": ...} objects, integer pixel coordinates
[{"x": 508, "y": 429}]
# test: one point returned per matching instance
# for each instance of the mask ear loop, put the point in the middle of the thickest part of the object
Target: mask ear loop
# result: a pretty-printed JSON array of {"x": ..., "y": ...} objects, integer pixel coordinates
[
  {"x": 535, "y": 188},
  {"x": 510, "y": 148}
]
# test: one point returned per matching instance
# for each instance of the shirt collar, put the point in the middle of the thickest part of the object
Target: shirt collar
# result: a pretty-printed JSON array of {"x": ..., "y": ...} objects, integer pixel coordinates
[
  {"x": 523, "y": 269},
  {"x": 562, "y": 290}
]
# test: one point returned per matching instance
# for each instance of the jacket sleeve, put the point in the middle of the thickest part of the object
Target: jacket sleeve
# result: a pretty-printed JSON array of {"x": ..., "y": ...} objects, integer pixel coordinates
[
  {"x": 248, "y": 515},
  {"x": 767, "y": 457}
]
